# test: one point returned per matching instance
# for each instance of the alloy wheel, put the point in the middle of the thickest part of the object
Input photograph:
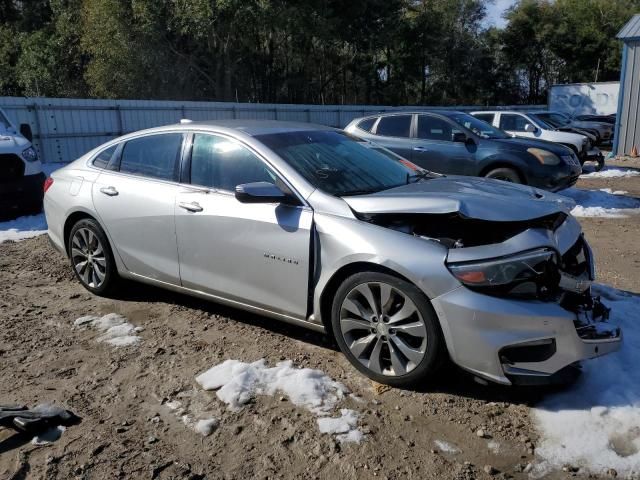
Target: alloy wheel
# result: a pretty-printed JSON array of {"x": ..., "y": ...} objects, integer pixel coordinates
[
  {"x": 88, "y": 257},
  {"x": 383, "y": 329}
]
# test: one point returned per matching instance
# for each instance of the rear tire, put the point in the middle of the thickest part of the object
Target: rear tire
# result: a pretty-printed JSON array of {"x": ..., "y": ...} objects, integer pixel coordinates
[
  {"x": 505, "y": 174},
  {"x": 91, "y": 257},
  {"x": 387, "y": 329},
  {"x": 600, "y": 164}
]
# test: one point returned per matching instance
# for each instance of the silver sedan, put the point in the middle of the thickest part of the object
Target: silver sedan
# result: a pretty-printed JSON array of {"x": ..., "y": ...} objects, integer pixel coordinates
[{"x": 308, "y": 225}]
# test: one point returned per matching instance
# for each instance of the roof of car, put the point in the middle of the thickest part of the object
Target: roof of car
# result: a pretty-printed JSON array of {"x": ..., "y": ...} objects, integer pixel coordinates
[{"x": 257, "y": 127}]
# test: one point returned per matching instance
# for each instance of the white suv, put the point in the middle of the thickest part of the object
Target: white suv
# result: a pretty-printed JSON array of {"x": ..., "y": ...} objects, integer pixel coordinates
[
  {"x": 529, "y": 125},
  {"x": 21, "y": 176}
]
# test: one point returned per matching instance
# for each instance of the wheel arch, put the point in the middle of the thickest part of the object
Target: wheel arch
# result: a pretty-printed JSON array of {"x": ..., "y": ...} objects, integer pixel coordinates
[
  {"x": 339, "y": 276},
  {"x": 493, "y": 164}
]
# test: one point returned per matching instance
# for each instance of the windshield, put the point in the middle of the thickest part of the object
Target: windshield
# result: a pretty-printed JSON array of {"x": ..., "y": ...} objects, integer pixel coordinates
[
  {"x": 477, "y": 126},
  {"x": 555, "y": 119},
  {"x": 338, "y": 164},
  {"x": 542, "y": 123}
]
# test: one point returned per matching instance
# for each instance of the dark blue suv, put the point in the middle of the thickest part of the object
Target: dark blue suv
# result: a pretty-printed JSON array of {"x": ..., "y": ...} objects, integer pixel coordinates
[{"x": 457, "y": 143}]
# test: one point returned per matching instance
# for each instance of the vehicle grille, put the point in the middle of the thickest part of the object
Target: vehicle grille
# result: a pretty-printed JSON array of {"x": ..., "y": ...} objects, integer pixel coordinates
[{"x": 11, "y": 167}]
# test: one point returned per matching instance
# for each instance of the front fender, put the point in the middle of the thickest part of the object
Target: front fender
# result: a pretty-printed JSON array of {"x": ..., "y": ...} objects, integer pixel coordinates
[{"x": 345, "y": 241}]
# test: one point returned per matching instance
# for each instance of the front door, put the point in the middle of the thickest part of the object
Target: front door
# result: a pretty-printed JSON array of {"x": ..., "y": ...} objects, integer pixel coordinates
[
  {"x": 136, "y": 205},
  {"x": 434, "y": 149},
  {"x": 251, "y": 253}
]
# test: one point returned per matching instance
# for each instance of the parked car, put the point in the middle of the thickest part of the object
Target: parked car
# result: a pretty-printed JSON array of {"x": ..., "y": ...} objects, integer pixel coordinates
[
  {"x": 305, "y": 224},
  {"x": 528, "y": 125},
  {"x": 611, "y": 119},
  {"x": 602, "y": 130},
  {"x": 21, "y": 176},
  {"x": 456, "y": 143}
]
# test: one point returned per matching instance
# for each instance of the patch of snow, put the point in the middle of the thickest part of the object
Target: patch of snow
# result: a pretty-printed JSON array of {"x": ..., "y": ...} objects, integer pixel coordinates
[
  {"x": 116, "y": 331},
  {"x": 446, "y": 447},
  {"x": 602, "y": 203},
  {"x": 237, "y": 382},
  {"x": 22, "y": 228},
  {"x": 596, "y": 423},
  {"x": 612, "y": 172},
  {"x": 206, "y": 426},
  {"x": 48, "y": 436}
]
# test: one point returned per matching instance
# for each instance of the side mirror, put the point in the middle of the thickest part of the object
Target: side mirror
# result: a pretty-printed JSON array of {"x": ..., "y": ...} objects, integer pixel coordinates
[
  {"x": 25, "y": 131},
  {"x": 260, "y": 192},
  {"x": 530, "y": 128},
  {"x": 460, "y": 137}
]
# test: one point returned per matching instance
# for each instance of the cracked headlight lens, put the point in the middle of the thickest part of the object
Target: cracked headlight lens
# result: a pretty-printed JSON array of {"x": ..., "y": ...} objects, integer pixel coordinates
[{"x": 527, "y": 274}]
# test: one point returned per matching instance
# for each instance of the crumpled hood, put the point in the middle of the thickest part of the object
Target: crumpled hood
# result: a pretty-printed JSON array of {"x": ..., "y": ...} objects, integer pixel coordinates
[{"x": 480, "y": 198}]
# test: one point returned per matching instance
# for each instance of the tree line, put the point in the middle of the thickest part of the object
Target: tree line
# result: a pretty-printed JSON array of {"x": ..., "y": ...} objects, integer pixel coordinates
[{"x": 392, "y": 52}]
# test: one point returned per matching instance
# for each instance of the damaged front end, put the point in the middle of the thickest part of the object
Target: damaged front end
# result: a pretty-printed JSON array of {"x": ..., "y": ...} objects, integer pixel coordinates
[{"x": 544, "y": 319}]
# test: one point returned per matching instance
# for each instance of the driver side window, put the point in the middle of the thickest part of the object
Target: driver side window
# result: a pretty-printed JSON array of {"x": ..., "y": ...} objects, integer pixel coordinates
[
  {"x": 222, "y": 163},
  {"x": 513, "y": 123}
]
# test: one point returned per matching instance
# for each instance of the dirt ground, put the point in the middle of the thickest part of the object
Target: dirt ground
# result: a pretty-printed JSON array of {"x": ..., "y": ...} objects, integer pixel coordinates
[{"x": 121, "y": 395}]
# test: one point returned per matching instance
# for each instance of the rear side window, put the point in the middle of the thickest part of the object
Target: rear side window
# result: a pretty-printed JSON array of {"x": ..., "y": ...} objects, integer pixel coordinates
[
  {"x": 223, "y": 164},
  {"x": 154, "y": 156},
  {"x": 512, "y": 122},
  {"x": 394, "y": 126},
  {"x": 104, "y": 157},
  {"x": 367, "y": 124},
  {"x": 485, "y": 117},
  {"x": 433, "y": 128}
]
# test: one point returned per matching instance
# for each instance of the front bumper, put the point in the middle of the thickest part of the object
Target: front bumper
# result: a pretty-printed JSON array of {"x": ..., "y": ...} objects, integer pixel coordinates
[
  {"x": 555, "y": 179},
  {"x": 23, "y": 195},
  {"x": 483, "y": 332}
]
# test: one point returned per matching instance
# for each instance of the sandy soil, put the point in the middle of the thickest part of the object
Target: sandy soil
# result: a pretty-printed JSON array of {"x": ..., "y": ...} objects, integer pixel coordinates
[{"x": 127, "y": 430}]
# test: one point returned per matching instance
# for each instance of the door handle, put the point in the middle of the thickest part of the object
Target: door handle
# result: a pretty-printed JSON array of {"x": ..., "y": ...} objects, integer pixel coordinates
[
  {"x": 420, "y": 149},
  {"x": 111, "y": 191},
  {"x": 191, "y": 206}
]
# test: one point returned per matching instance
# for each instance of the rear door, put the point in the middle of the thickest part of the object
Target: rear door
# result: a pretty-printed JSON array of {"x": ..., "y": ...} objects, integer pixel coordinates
[
  {"x": 394, "y": 133},
  {"x": 434, "y": 149},
  {"x": 135, "y": 198},
  {"x": 251, "y": 253}
]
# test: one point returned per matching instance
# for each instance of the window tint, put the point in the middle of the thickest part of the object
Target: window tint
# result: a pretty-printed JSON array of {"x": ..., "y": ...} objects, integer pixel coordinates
[
  {"x": 367, "y": 124},
  {"x": 394, "y": 126},
  {"x": 512, "y": 122},
  {"x": 224, "y": 164},
  {"x": 433, "y": 128},
  {"x": 104, "y": 157},
  {"x": 154, "y": 156},
  {"x": 485, "y": 117}
]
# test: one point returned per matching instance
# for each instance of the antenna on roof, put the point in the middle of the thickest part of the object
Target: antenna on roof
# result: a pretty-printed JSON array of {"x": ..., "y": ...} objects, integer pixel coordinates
[{"x": 185, "y": 120}]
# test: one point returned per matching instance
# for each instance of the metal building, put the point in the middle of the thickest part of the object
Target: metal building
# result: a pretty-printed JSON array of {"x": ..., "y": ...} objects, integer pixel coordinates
[{"x": 627, "y": 132}]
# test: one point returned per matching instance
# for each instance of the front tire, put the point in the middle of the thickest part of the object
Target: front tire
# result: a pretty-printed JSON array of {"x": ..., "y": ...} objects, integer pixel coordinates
[
  {"x": 387, "y": 329},
  {"x": 505, "y": 174},
  {"x": 91, "y": 257}
]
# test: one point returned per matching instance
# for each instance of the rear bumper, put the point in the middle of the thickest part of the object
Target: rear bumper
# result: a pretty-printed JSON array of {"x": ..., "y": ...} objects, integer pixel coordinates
[
  {"x": 515, "y": 341},
  {"x": 20, "y": 196}
]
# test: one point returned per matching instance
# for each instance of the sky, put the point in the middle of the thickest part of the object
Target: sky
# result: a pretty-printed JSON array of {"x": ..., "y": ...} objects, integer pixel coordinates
[{"x": 494, "y": 12}]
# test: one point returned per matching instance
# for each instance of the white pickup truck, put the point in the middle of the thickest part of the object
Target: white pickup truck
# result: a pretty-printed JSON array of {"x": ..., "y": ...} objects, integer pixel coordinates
[
  {"x": 21, "y": 176},
  {"x": 528, "y": 125}
]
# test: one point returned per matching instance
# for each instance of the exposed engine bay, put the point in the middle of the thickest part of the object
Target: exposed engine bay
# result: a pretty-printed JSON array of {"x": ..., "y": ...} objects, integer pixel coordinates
[{"x": 454, "y": 230}]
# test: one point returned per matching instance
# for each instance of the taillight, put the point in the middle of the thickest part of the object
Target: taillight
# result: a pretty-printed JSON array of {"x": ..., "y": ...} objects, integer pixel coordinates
[{"x": 47, "y": 183}]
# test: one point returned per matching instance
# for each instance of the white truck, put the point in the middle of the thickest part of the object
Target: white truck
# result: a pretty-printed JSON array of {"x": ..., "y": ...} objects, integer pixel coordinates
[
  {"x": 21, "y": 176},
  {"x": 529, "y": 125}
]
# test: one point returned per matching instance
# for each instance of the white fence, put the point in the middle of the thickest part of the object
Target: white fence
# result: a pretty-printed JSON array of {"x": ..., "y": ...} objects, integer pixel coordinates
[{"x": 65, "y": 128}]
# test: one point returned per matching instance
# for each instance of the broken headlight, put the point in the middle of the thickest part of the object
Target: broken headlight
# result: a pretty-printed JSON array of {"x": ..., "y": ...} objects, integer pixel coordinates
[{"x": 532, "y": 274}]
